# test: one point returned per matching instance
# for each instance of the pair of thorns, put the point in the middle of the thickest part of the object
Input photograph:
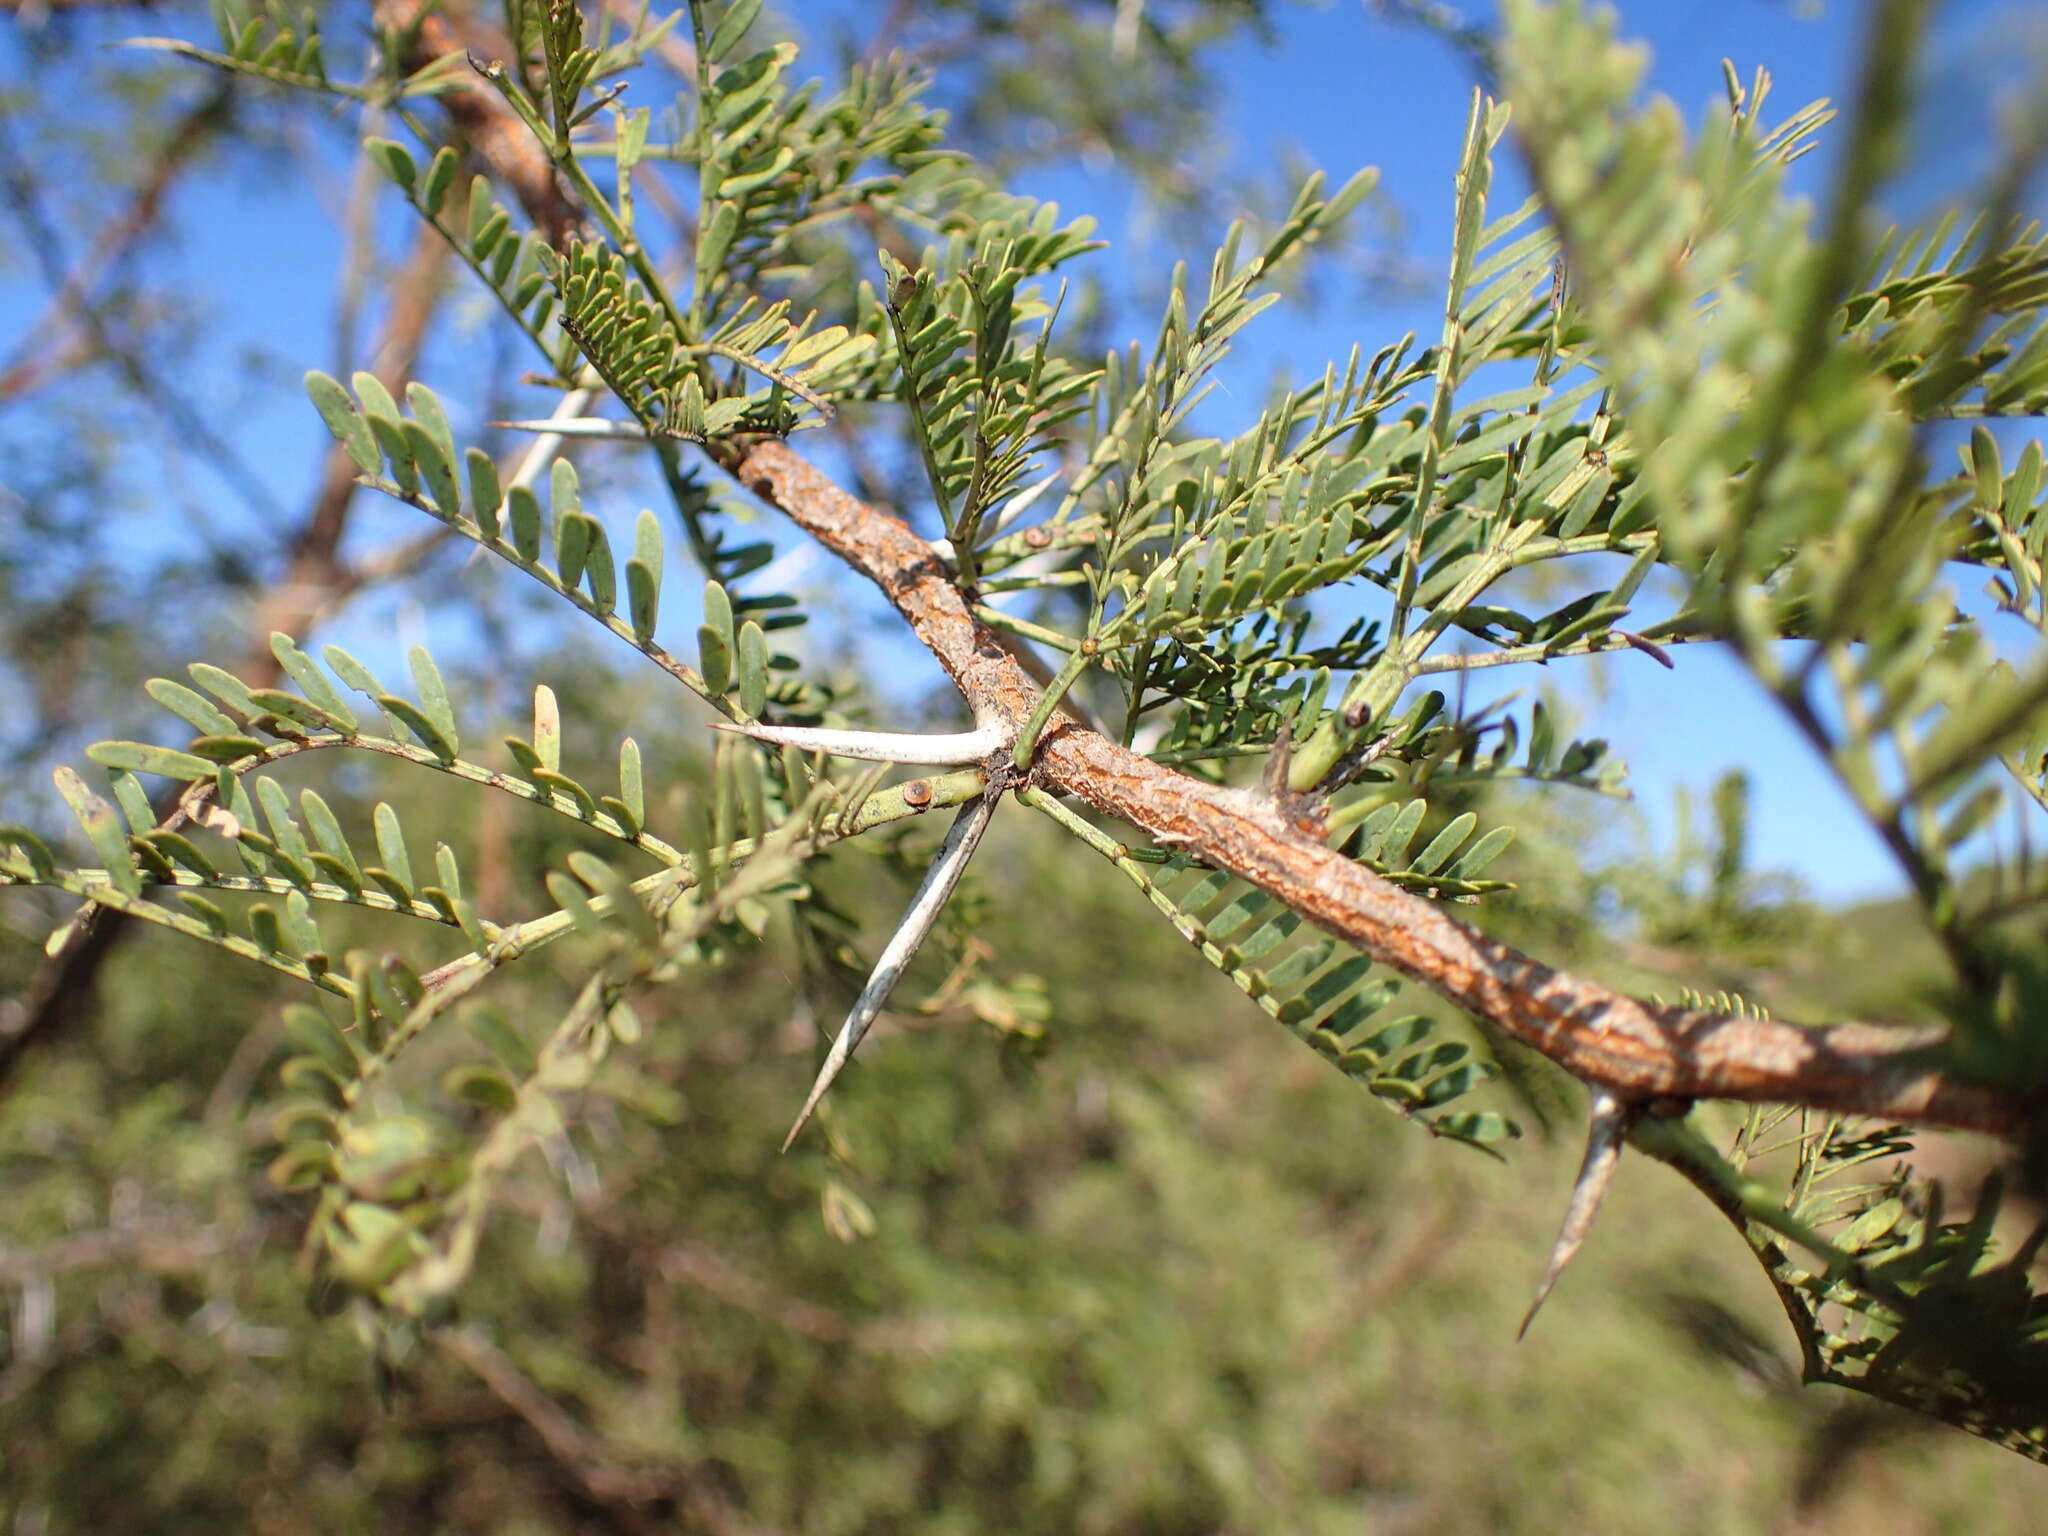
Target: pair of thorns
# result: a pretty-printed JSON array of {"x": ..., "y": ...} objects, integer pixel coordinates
[{"x": 988, "y": 746}]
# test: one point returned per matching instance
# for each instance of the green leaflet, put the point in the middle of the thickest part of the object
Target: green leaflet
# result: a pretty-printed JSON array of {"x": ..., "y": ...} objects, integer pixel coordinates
[
  {"x": 139, "y": 757},
  {"x": 103, "y": 826},
  {"x": 643, "y": 575}
]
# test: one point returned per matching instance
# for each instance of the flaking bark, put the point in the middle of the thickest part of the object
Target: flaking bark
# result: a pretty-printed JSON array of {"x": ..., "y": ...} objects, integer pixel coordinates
[{"x": 1633, "y": 1049}]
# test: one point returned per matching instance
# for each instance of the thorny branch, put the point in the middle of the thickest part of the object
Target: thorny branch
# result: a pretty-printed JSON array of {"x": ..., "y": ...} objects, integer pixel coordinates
[{"x": 1635, "y": 1050}]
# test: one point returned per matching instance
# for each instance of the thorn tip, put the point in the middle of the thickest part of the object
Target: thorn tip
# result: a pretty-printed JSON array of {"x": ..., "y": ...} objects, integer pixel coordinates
[
  {"x": 1604, "y": 1137},
  {"x": 826, "y": 1074}
]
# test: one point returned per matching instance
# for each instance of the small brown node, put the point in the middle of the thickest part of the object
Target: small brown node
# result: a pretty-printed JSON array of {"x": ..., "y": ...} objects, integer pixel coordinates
[
  {"x": 761, "y": 486},
  {"x": 1037, "y": 538},
  {"x": 917, "y": 794}
]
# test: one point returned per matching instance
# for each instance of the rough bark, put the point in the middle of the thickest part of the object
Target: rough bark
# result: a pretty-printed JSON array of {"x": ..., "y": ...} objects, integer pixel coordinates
[{"x": 1637, "y": 1050}]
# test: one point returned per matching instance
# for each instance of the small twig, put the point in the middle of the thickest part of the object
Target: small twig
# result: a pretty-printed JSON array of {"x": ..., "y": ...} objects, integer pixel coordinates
[
  {"x": 1034, "y": 723},
  {"x": 717, "y": 1277},
  {"x": 1013, "y": 509},
  {"x": 581, "y": 1452}
]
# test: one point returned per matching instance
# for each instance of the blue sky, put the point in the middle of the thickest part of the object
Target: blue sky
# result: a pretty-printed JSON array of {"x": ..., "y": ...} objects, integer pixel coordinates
[
  {"x": 1343, "y": 88},
  {"x": 1347, "y": 89}
]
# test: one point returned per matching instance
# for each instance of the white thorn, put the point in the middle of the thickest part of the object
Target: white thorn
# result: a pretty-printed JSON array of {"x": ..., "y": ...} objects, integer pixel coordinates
[
  {"x": 582, "y": 426},
  {"x": 877, "y": 746},
  {"x": 1604, "y": 1137},
  {"x": 902, "y": 947},
  {"x": 549, "y": 443}
]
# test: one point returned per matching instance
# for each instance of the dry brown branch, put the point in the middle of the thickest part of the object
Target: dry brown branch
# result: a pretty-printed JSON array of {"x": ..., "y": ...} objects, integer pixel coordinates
[
  {"x": 61, "y": 348},
  {"x": 1636, "y": 1049},
  {"x": 491, "y": 127}
]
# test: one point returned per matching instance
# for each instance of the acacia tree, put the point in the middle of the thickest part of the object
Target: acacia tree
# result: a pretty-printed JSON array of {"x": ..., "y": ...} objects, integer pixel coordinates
[{"x": 1158, "y": 634}]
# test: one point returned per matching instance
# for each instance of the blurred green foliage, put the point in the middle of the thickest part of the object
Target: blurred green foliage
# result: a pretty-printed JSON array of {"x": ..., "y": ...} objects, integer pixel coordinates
[
  {"x": 1143, "y": 1267},
  {"x": 1098, "y": 1250}
]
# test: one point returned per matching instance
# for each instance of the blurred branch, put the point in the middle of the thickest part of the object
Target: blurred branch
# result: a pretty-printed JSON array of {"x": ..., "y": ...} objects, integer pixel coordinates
[
  {"x": 32, "y": 12},
  {"x": 582, "y": 1453},
  {"x": 480, "y": 114},
  {"x": 24, "y": 195},
  {"x": 115, "y": 241},
  {"x": 696, "y": 1265},
  {"x": 169, "y": 1248}
]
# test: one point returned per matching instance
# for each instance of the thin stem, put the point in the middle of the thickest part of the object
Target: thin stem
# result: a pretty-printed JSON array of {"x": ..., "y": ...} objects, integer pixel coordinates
[
  {"x": 1085, "y": 830},
  {"x": 1592, "y": 645},
  {"x": 922, "y": 429},
  {"x": 1027, "y": 738},
  {"x": 880, "y": 809},
  {"x": 680, "y": 670},
  {"x": 995, "y": 618}
]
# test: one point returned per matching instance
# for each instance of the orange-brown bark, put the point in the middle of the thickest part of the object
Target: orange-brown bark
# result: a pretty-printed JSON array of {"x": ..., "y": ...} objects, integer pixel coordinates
[{"x": 1639, "y": 1050}]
